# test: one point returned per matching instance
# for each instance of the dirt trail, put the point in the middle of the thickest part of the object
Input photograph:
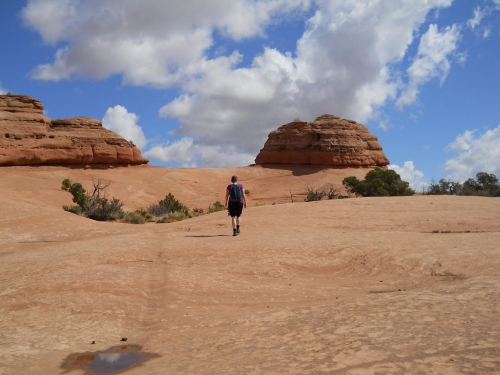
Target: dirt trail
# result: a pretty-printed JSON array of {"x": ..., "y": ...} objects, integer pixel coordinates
[{"x": 355, "y": 286}]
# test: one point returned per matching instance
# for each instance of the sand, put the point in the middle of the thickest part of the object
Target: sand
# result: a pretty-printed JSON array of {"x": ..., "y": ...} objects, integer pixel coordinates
[{"x": 352, "y": 286}]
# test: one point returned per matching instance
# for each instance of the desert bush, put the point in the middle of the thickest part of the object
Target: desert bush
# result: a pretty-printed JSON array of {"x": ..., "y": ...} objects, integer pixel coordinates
[
  {"x": 133, "y": 217},
  {"x": 378, "y": 183},
  {"x": 174, "y": 216},
  {"x": 73, "y": 209},
  {"x": 331, "y": 192},
  {"x": 485, "y": 185},
  {"x": 444, "y": 187},
  {"x": 174, "y": 205},
  {"x": 216, "y": 207},
  {"x": 314, "y": 194},
  {"x": 157, "y": 209},
  {"x": 95, "y": 205},
  {"x": 198, "y": 211},
  {"x": 247, "y": 192},
  {"x": 76, "y": 189}
]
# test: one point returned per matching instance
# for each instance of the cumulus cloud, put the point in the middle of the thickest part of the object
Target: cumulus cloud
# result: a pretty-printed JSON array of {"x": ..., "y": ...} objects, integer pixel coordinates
[
  {"x": 189, "y": 153},
  {"x": 119, "y": 120},
  {"x": 342, "y": 64},
  {"x": 2, "y": 90},
  {"x": 432, "y": 60},
  {"x": 474, "y": 154},
  {"x": 409, "y": 174}
]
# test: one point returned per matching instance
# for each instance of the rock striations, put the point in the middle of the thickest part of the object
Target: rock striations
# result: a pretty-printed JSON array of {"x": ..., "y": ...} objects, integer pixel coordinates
[
  {"x": 27, "y": 137},
  {"x": 329, "y": 141}
]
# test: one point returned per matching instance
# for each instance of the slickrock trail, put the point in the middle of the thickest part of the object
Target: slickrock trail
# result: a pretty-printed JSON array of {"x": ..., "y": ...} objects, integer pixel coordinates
[{"x": 353, "y": 286}]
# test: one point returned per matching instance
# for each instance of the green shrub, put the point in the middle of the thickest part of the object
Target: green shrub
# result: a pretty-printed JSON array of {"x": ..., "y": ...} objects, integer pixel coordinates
[
  {"x": 80, "y": 196},
  {"x": 157, "y": 209},
  {"x": 444, "y": 187},
  {"x": 94, "y": 206},
  {"x": 378, "y": 183},
  {"x": 217, "y": 206},
  {"x": 173, "y": 204},
  {"x": 485, "y": 185},
  {"x": 198, "y": 211},
  {"x": 133, "y": 218},
  {"x": 73, "y": 209},
  {"x": 247, "y": 192}
]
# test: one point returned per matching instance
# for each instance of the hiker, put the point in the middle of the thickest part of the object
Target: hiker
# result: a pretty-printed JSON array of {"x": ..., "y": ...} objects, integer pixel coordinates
[{"x": 235, "y": 201}]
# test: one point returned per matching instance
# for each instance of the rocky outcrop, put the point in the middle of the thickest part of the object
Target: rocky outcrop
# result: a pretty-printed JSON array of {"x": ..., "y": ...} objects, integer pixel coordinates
[
  {"x": 27, "y": 137},
  {"x": 329, "y": 141}
]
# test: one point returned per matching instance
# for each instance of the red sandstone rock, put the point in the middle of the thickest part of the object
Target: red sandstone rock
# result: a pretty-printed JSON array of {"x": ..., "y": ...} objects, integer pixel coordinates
[
  {"x": 328, "y": 140},
  {"x": 27, "y": 137}
]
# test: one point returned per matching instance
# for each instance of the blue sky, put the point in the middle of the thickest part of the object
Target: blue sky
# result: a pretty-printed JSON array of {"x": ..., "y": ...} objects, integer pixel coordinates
[{"x": 201, "y": 83}]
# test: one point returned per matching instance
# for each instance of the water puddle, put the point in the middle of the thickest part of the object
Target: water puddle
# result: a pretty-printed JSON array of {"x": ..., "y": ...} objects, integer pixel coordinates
[{"x": 111, "y": 361}]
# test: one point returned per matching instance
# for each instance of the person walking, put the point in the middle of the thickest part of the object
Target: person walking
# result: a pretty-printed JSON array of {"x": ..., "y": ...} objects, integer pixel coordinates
[{"x": 235, "y": 201}]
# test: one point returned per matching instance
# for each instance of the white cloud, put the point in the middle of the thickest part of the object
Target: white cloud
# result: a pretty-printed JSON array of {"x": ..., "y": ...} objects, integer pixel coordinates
[
  {"x": 409, "y": 174},
  {"x": 474, "y": 154},
  {"x": 189, "y": 153},
  {"x": 431, "y": 61},
  {"x": 479, "y": 14},
  {"x": 119, "y": 120},
  {"x": 343, "y": 62},
  {"x": 2, "y": 90}
]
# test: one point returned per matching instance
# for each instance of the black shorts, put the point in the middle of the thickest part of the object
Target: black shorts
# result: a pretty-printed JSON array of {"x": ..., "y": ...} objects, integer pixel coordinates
[{"x": 235, "y": 209}]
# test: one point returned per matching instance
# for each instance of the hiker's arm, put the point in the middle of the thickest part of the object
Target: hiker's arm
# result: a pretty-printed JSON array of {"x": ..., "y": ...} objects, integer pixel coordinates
[
  {"x": 227, "y": 197},
  {"x": 244, "y": 199}
]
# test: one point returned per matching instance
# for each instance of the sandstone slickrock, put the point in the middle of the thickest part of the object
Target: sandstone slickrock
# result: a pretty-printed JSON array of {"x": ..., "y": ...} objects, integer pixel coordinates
[
  {"x": 27, "y": 137},
  {"x": 329, "y": 141}
]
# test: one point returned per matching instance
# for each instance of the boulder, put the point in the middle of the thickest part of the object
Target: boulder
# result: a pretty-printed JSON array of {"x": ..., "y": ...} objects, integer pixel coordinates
[
  {"x": 329, "y": 141},
  {"x": 27, "y": 137}
]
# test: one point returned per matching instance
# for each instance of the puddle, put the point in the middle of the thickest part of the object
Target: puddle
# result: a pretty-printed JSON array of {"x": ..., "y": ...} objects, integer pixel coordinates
[{"x": 112, "y": 361}]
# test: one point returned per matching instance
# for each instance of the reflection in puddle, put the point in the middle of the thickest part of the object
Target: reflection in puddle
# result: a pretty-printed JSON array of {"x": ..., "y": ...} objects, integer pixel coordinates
[{"x": 111, "y": 361}]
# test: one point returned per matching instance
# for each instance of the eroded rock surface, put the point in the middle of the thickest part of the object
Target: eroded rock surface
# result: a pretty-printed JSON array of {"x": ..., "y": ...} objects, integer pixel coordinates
[
  {"x": 27, "y": 137},
  {"x": 329, "y": 140}
]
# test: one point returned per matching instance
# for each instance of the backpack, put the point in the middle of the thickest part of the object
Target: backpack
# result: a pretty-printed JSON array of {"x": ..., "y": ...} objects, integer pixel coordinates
[{"x": 235, "y": 193}]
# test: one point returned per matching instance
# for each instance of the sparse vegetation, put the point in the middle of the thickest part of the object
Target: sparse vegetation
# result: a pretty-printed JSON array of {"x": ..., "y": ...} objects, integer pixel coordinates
[
  {"x": 247, "y": 192},
  {"x": 485, "y": 185},
  {"x": 95, "y": 205},
  {"x": 378, "y": 183},
  {"x": 316, "y": 194},
  {"x": 216, "y": 207}
]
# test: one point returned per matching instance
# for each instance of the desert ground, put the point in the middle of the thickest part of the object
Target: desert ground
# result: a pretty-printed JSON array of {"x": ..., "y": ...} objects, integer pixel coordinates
[{"x": 351, "y": 286}]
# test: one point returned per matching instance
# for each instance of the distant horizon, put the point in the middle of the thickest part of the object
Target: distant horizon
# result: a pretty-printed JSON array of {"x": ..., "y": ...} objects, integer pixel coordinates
[{"x": 201, "y": 84}]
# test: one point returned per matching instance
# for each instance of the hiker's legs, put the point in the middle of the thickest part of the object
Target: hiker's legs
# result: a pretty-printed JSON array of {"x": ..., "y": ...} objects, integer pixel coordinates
[{"x": 235, "y": 221}]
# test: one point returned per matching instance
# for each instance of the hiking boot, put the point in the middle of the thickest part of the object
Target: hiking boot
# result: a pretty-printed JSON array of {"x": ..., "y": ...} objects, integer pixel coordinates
[
  {"x": 238, "y": 230},
  {"x": 235, "y": 232}
]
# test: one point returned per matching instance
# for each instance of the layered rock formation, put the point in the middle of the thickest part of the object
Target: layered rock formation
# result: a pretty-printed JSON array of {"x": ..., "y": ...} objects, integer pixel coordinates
[
  {"x": 329, "y": 141},
  {"x": 27, "y": 137}
]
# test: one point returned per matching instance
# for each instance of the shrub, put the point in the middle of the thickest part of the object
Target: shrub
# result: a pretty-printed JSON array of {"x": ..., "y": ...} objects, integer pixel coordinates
[
  {"x": 444, "y": 187},
  {"x": 378, "y": 183},
  {"x": 485, "y": 184},
  {"x": 198, "y": 211},
  {"x": 73, "y": 209},
  {"x": 76, "y": 189},
  {"x": 133, "y": 218},
  {"x": 173, "y": 204},
  {"x": 330, "y": 191},
  {"x": 217, "y": 206},
  {"x": 94, "y": 206},
  {"x": 314, "y": 194},
  {"x": 247, "y": 192},
  {"x": 157, "y": 209}
]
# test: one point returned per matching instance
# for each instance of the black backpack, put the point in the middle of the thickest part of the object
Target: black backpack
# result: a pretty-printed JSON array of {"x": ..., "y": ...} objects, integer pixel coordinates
[{"x": 235, "y": 194}]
